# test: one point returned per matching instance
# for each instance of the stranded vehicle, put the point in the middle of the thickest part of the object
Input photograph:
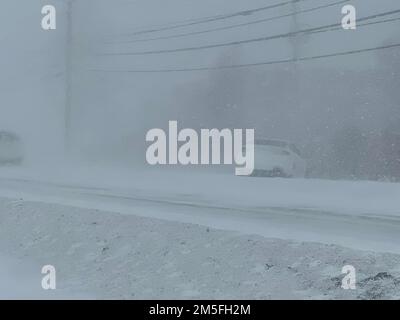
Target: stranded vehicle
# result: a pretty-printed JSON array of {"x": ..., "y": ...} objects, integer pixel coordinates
[
  {"x": 11, "y": 151},
  {"x": 277, "y": 158}
]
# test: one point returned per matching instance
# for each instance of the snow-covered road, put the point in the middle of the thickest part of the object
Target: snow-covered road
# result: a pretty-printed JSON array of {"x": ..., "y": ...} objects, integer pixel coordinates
[{"x": 359, "y": 215}]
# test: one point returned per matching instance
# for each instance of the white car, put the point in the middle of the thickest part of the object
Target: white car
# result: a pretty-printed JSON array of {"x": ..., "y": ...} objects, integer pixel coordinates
[
  {"x": 11, "y": 150},
  {"x": 277, "y": 158}
]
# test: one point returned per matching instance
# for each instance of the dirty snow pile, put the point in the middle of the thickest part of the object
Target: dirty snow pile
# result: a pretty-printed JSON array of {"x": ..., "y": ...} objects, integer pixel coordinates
[{"x": 100, "y": 254}]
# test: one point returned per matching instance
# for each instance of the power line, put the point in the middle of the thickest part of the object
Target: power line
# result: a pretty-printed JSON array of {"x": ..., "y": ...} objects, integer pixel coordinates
[
  {"x": 215, "y": 18},
  {"x": 202, "y": 19},
  {"x": 239, "y": 42},
  {"x": 234, "y": 25},
  {"x": 337, "y": 54},
  {"x": 359, "y": 25}
]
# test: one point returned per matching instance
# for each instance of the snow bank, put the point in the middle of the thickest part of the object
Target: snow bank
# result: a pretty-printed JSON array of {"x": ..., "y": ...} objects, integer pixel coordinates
[{"x": 108, "y": 255}]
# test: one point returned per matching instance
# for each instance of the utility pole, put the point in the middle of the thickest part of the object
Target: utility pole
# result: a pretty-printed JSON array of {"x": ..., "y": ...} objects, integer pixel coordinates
[
  {"x": 294, "y": 69},
  {"x": 294, "y": 72},
  {"x": 68, "y": 77},
  {"x": 294, "y": 28}
]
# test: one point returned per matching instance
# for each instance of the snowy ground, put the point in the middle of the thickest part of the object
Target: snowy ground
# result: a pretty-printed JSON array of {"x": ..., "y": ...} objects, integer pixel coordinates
[
  {"x": 168, "y": 234},
  {"x": 108, "y": 255}
]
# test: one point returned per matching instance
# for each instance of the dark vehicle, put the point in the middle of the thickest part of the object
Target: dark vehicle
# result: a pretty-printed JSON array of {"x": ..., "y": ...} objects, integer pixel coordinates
[{"x": 11, "y": 151}]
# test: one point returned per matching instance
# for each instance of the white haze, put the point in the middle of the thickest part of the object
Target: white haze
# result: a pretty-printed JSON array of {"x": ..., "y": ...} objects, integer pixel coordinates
[{"x": 111, "y": 112}]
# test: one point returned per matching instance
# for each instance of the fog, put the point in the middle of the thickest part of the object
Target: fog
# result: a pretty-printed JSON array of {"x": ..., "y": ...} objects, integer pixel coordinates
[
  {"x": 284, "y": 185},
  {"x": 343, "y": 112}
]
